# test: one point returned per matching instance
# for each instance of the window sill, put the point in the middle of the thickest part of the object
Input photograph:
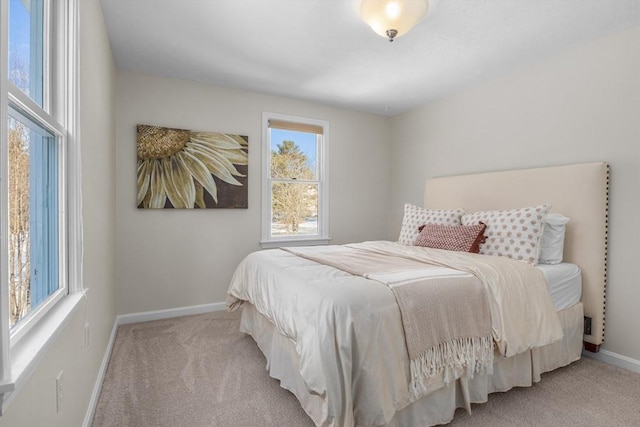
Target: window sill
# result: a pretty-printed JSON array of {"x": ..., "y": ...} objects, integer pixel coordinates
[
  {"x": 314, "y": 241},
  {"x": 28, "y": 352}
]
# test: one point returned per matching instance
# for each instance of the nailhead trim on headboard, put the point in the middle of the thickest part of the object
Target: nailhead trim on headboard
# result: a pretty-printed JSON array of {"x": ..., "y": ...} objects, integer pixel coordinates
[
  {"x": 524, "y": 187},
  {"x": 606, "y": 252}
]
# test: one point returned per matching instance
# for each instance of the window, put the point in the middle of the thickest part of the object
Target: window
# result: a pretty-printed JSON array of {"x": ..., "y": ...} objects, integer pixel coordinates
[
  {"x": 294, "y": 182},
  {"x": 33, "y": 217},
  {"x": 39, "y": 169}
]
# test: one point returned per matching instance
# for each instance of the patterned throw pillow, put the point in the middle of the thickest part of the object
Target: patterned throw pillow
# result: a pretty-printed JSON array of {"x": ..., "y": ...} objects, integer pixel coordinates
[
  {"x": 415, "y": 216},
  {"x": 513, "y": 233},
  {"x": 464, "y": 238}
]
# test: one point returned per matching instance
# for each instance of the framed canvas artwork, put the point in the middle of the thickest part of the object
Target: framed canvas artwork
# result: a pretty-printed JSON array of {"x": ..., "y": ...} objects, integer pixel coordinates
[{"x": 184, "y": 169}]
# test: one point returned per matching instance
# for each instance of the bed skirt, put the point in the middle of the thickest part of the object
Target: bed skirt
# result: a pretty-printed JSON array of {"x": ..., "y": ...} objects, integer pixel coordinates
[{"x": 438, "y": 407}]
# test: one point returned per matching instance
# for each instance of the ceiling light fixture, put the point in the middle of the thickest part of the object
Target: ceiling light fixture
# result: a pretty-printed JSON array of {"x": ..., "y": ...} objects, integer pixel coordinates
[{"x": 393, "y": 18}]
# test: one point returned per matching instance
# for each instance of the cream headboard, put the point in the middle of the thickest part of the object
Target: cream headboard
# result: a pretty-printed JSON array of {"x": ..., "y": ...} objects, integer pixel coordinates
[{"x": 577, "y": 191}]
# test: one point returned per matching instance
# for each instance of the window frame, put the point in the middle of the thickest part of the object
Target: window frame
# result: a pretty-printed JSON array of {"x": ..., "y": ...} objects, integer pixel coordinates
[
  {"x": 24, "y": 325},
  {"x": 322, "y": 238},
  {"x": 23, "y": 347}
]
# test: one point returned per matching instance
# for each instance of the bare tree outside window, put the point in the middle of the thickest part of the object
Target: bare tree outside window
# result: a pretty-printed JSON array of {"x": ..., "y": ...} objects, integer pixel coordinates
[
  {"x": 293, "y": 203},
  {"x": 19, "y": 236},
  {"x": 18, "y": 74}
]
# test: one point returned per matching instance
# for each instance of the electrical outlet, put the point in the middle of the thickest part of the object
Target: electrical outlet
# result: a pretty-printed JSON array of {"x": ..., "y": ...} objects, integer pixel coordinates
[
  {"x": 86, "y": 335},
  {"x": 59, "y": 391},
  {"x": 587, "y": 325}
]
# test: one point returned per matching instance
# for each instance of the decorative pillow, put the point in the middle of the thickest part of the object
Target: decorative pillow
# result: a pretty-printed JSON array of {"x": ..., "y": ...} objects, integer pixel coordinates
[
  {"x": 415, "y": 216},
  {"x": 464, "y": 238},
  {"x": 553, "y": 239},
  {"x": 513, "y": 233}
]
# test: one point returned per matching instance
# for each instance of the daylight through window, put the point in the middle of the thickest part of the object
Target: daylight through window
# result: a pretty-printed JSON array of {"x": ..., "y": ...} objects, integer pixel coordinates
[
  {"x": 40, "y": 255},
  {"x": 296, "y": 179},
  {"x": 33, "y": 216}
]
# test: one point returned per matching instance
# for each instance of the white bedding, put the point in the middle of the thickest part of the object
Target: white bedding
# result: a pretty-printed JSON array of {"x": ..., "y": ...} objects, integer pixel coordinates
[
  {"x": 309, "y": 320},
  {"x": 440, "y": 406},
  {"x": 564, "y": 283},
  {"x": 348, "y": 332}
]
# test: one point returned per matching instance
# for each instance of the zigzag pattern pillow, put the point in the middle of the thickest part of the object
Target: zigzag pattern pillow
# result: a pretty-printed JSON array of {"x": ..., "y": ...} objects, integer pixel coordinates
[
  {"x": 515, "y": 233},
  {"x": 464, "y": 238},
  {"x": 415, "y": 216}
]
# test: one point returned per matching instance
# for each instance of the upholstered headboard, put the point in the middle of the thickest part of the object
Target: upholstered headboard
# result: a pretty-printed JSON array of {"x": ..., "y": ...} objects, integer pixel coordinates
[{"x": 577, "y": 191}]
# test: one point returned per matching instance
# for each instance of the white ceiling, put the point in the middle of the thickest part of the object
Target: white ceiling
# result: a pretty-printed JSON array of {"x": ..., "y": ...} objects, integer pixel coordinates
[{"x": 320, "y": 50}]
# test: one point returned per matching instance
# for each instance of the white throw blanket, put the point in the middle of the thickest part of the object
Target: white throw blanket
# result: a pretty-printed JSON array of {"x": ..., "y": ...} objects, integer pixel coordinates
[{"x": 446, "y": 319}]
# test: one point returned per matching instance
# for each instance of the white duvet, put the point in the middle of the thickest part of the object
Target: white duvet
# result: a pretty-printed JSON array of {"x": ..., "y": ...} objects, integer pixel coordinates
[{"x": 347, "y": 329}]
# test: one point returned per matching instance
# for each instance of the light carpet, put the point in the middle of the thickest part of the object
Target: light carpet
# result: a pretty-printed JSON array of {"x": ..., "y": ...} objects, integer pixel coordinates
[{"x": 201, "y": 371}]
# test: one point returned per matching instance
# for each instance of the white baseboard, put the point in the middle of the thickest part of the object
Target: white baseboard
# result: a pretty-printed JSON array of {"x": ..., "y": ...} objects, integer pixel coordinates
[
  {"x": 97, "y": 387},
  {"x": 615, "y": 359},
  {"x": 147, "y": 316}
]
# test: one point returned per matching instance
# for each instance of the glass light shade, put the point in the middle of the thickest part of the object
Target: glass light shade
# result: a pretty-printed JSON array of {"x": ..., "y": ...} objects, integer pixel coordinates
[{"x": 385, "y": 16}]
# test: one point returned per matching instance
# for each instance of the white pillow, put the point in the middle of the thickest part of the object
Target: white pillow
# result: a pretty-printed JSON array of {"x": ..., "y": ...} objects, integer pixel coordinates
[
  {"x": 515, "y": 233},
  {"x": 553, "y": 239},
  {"x": 415, "y": 216}
]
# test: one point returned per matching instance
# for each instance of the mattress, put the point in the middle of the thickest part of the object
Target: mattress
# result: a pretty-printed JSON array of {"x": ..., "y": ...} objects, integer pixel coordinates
[{"x": 564, "y": 283}]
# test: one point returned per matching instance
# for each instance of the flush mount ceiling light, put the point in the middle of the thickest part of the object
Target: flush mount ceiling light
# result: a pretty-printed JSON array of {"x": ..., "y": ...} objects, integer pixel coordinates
[{"x": 393, "y": 18}]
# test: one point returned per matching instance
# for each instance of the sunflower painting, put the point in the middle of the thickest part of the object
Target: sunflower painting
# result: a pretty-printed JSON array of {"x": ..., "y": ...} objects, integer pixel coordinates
[{"x": 184, "y": 169}]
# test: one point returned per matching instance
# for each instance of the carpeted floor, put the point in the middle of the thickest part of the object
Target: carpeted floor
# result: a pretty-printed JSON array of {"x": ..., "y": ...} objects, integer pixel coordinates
[{"x": 200, "y": 371}]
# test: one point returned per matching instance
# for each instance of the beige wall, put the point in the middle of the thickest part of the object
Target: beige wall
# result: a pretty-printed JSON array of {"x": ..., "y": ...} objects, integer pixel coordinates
[
  {"x": 579, "y": 106},
  {"x": 175, "y": 258},
  {"x": 35, "y": 405}
]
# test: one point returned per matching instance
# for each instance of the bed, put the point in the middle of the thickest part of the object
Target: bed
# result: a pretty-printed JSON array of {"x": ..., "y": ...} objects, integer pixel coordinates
[{"x": 336, "y": 339}]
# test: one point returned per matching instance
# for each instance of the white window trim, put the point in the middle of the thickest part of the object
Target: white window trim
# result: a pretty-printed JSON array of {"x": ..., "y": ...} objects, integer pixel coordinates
[
  {"x": 5, "y": 365},
  {"x": 26, "y": 109},
  {"x": 19, "y": 358},
  {"x": 322, "y": 238}
]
